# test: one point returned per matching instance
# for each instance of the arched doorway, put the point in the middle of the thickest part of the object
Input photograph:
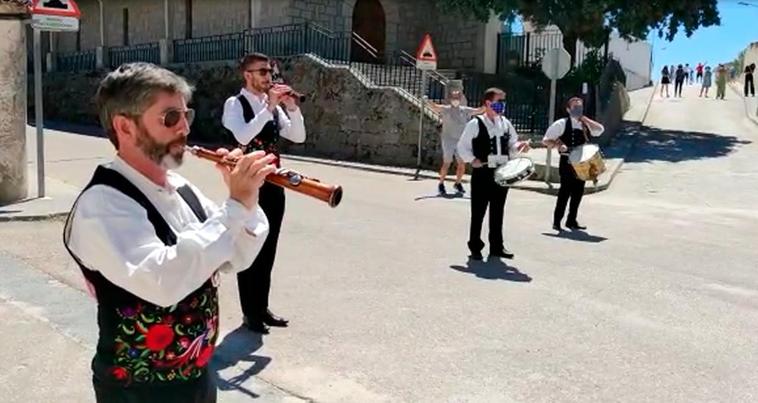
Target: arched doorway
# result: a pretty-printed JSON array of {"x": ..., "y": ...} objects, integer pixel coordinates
[{"x": 370, "y": 24}]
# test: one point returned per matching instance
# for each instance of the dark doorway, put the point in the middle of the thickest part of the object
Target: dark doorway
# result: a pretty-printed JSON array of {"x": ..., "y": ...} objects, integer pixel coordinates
[{"x": 369, "y": 23}]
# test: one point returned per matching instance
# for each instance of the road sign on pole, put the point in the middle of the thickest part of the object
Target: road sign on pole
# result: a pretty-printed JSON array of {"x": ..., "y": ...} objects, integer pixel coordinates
[
  {"x": 555, "y": 65},
  {"x": 54, "y": 16},
  {"x": 426, "y": 56}
]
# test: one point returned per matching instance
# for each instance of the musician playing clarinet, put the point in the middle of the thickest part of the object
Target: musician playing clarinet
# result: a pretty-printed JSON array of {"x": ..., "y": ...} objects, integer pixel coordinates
[
  {"x": 150, "y": 245},
  {"x": 487, "y": 142},
  {"x": 257, "y": 120},
  {"x": 565, "y": 134}
]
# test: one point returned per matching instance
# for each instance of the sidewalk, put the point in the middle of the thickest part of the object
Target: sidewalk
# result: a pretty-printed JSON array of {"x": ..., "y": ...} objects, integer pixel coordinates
[{"x": 38, "y": 310}]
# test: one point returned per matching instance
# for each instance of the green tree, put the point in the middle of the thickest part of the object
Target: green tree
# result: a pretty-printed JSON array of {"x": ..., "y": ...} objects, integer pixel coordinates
[{"x": 592, "y": 20}]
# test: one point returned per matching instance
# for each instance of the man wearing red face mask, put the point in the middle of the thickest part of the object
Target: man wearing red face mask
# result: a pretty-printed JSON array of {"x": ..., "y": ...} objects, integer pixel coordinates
[
  {"x": 150, "y": 245},
  {"x": 487, "y": 142}
]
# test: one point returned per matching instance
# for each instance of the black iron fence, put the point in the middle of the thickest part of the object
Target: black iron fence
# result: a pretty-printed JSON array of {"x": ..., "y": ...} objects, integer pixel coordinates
[
  {"x": 147, "y": 52},
  {"x": 74, "y": 61}
]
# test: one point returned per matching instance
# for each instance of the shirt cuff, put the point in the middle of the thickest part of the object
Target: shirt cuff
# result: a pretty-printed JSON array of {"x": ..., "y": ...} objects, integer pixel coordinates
[
  {"x": 236, "y": 214},
  {"x": 257, "y": 224}
]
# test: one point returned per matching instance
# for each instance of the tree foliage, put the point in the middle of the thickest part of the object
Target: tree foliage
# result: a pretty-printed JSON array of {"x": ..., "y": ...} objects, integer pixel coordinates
[{"x": 592, "y": 20}]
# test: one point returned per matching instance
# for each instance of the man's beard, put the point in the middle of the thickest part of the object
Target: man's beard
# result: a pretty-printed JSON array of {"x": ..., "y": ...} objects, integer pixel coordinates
[{"x": 169, "y": 155}]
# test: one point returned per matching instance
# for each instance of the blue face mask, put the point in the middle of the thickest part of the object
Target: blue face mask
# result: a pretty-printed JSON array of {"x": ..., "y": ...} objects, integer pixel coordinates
[{"x": 498, "y": 107}]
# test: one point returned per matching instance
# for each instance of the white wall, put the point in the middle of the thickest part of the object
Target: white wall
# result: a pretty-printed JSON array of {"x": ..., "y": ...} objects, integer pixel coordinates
[{"x": 635, "y": 57}]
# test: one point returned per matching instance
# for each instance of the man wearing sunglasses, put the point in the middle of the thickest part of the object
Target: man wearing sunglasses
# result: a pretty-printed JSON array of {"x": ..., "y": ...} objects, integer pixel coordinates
[
  {"x": 257, "y": 120},
  {"x": 151, "y": 245}
]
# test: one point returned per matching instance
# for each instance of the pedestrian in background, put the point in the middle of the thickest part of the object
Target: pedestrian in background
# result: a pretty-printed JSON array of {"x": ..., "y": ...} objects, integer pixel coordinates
[
  {"x": 721, "y": 76},
  {"x": 706, "y": 81},
  {"x": 665, "y": 80},
  {"x": 679, "y": 81},
  {"x": 749, "y": 85}
]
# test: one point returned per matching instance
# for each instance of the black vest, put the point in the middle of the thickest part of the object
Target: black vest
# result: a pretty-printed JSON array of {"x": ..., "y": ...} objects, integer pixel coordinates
[
  {"x": 573, "y": 137},
  {"x": 141, "y": 343},
  {"x": 268, "y": 139},
  {"x": 483, "y": 146}
]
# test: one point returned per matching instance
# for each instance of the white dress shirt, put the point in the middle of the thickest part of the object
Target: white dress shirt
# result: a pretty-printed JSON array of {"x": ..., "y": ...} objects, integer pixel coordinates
[
  {"x": 497, "y": 128},
  {"x": 555, "y": 130},
  {"x": 291, "y": 128},
  {"x": 109, "y": 232}
]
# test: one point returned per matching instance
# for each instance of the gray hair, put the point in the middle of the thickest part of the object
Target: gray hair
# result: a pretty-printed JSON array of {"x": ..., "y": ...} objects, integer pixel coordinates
[{"x": 131, "y": 89}]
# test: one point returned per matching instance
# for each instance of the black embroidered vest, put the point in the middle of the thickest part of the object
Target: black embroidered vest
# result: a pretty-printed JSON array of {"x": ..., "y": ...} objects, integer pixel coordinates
[
  {"x": 268, "y": 139},
  {"x": 141, "y": 343},
  {"x": 573, "y": 137},
  {"x": 483, "y": 146}
]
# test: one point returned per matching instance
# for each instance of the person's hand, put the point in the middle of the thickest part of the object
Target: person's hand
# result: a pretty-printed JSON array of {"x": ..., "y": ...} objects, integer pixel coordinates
[
  {"x": 562, "y": 148},
  {"x": 287, "y": 99},
  {"x": 230, "y": 156},
  {"x": 276, "y": 95},
  {"x": 246, "y": 178},
  {"x": 524, "y": 146},
  {"x": 476, "y": 163}
]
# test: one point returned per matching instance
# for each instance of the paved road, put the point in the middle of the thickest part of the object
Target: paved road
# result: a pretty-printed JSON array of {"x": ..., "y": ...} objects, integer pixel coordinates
[{"x": 657, "y": 301}]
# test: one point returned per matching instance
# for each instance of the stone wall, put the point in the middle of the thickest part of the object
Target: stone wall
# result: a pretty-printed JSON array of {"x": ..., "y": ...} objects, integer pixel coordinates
[
  {"x": 344, "y": 119},
  {"x": 347, "y": 121},
  {"x": 13, "y": 175}
]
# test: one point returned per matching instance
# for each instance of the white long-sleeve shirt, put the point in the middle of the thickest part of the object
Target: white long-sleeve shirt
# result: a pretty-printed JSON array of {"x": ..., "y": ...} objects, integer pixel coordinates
[
  {"x": 497, "y": 128},
  {"x": 291, "y": 128},
  {"x": 556, "y": 129},
  {"x": 109, "y": 232}
]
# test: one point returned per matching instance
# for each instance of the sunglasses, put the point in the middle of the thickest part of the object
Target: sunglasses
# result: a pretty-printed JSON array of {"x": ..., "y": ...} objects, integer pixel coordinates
[
  {"x": 172, "y": 117},
  {"x": 263, "y": 71}
]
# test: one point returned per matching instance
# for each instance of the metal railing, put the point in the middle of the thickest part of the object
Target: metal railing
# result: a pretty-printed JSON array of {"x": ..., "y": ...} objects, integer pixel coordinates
[
  {"x": 209, "y": 48},
  {"x": 146, "y": 52},
  {"x": 76, "y": 61}
]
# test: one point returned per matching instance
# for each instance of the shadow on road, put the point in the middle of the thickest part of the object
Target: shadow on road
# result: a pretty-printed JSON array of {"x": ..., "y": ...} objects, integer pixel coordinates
[
  {"x": 239, "y": 346},
  {"x": 654, "y": 144},
  {"x": 492, "y": 269},
  {"x": 580, "y": 236},
  {"x": 443, "y": 196}
]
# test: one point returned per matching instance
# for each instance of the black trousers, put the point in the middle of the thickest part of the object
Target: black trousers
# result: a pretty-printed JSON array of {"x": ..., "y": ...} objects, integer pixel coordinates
[
  {"x": 254, "y": 283},
  {"x": 572, "y": 189},
  {"x": 485, "y": 192},
  {"x": 749, "y": 85},
  {"x": 678, "y": 87},
  {"x": 202, "y": 390}
]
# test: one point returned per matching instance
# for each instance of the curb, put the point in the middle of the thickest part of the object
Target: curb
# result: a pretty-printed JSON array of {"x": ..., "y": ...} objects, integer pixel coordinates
[{"x": 34, "y": 217}]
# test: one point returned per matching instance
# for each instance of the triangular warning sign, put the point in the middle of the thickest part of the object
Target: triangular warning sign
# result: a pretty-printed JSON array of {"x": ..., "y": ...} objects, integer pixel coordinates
[
  {"x": 426, "y": 50},
  {"x": 62, "y": 8}
]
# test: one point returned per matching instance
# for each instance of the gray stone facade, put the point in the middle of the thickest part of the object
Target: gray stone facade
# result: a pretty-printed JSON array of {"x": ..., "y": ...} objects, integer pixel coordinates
[
  {"x": 344, "y": 119},
  {"x": 13, "y": 174},
  {"x": 461, "y": 44}
]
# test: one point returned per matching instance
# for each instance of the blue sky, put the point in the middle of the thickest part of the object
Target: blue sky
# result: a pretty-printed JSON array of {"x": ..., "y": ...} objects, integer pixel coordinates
[{"x": 716, "y": 44}]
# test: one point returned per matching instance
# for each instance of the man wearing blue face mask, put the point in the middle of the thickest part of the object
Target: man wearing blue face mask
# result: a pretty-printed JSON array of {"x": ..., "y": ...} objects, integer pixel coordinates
[
  {"x": 566, "y": 134},
  {"x": 487, "y": 142}
]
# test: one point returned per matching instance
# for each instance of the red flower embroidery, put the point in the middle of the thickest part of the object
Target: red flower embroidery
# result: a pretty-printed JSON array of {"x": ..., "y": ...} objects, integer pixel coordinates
[
  {"x": 204, "y": 356},
  {"x": 159, "y": 337},
  {"x": 184, "y": 342},
  {"x": 120, "y": 373}
]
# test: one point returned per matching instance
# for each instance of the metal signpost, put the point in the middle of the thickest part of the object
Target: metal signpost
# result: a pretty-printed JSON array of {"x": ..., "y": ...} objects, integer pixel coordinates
[
  {"x": 426, "y": 59},
  {"x": 51, "y": 16},
  {"x": 555, "y": 65}
]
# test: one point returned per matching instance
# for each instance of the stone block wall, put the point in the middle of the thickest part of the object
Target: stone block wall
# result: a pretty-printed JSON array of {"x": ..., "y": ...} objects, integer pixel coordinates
[
  {"x": 344, "y": 119},
  {"x": 347, "y": 121}
]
